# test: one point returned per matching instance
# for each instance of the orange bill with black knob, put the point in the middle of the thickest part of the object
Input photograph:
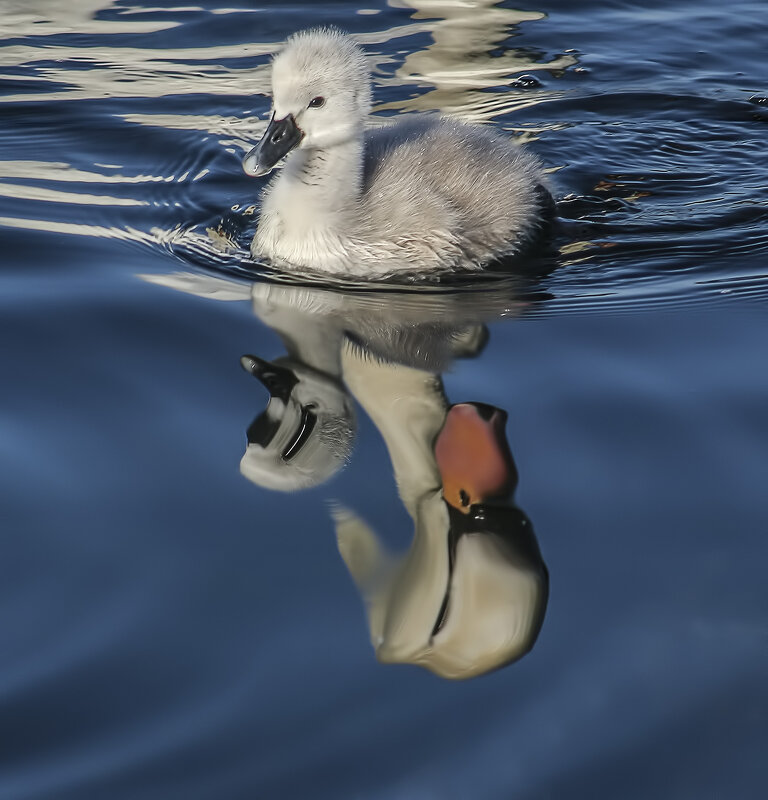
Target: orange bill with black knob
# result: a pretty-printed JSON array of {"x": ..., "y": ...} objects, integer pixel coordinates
[{"x": 473, "y": 456}]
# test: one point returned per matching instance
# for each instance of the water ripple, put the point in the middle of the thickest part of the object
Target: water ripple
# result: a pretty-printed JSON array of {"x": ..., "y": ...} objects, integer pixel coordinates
[{"x": 655, "y": 201}]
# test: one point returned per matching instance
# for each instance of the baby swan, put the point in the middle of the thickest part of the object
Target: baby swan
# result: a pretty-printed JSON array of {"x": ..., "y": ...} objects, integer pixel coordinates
[{"x": 424, "y": 194}]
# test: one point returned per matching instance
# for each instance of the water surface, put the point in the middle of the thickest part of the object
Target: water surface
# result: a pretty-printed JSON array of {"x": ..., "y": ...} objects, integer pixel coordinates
[{"x": 170, "y": 629}]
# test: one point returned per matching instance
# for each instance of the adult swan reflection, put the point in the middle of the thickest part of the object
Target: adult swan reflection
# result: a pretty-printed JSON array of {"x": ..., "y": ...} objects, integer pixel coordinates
[{"x": 470, "y": 593}]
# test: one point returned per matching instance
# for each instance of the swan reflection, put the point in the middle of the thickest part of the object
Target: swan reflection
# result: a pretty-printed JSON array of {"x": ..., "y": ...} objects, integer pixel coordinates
[
  {"x": 305, "y": 434},
  {"x": 470, "y": 593}
]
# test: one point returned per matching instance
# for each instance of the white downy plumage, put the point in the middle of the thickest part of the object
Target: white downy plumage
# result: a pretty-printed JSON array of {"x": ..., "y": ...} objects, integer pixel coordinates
[{"x": 425, "y": 193}]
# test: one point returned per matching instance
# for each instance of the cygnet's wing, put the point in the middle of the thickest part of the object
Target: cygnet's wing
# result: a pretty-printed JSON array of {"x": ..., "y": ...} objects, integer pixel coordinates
[
  {"x": 381, "y": 142},
  {"x": 436, "y": 177}
]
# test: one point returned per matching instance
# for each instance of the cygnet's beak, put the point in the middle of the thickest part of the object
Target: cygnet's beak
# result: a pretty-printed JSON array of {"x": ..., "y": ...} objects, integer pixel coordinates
[
  {"x": 279, "y": 139},
  {"x": 473, "y": 456}
]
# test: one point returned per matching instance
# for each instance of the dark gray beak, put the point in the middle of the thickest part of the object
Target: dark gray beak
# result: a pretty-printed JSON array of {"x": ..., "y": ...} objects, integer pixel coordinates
[
  {"x": 279, "y": 139},
  {"x": 278, "y": 381}
]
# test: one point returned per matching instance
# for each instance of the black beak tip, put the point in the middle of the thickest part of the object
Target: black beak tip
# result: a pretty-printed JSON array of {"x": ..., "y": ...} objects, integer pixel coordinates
[{"x": 279, "y": 139}]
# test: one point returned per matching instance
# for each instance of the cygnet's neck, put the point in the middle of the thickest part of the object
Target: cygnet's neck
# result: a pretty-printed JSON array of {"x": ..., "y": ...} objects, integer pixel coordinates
[
  {"x": 308, "y": 214},
  {"x": 327, "y": 179}
]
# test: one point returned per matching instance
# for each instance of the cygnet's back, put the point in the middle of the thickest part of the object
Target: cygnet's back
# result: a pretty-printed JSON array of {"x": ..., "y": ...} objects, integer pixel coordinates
[
  {"x": 452, "y": 192},
  {"x": 425, "y": 193}
]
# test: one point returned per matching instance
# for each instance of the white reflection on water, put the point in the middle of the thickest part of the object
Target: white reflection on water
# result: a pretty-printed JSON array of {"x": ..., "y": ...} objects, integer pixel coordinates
[
  {"x": 467, "y": 56},
  {"x": 131, "y": 72},
  {"x": 123, "y": 233},
  {"x": 61, "y": 171},
  {"x": 46, "y": 18},
  {"x": 20, "y": 191},
  {"x": 78, "y": 73}
]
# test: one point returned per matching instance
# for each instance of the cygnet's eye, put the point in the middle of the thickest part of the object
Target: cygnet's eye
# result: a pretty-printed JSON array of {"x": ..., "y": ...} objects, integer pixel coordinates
[{"x": 316, "y": 102}]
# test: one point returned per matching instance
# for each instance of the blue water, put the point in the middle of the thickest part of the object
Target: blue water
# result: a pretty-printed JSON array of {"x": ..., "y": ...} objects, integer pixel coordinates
[{"x": 170, "y": 629}]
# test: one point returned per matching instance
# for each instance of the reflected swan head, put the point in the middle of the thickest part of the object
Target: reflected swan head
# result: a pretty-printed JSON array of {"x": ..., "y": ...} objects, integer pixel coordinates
[
  {"x": 305, "y": 434},
  {"x": 470, "y": 594},
  {"x": 473, "y": 456},
  {"x": 321, "y": 95}
]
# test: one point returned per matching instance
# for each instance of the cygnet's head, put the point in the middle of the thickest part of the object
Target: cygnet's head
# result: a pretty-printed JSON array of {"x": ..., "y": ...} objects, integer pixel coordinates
[{"x": 321, "y": 95}]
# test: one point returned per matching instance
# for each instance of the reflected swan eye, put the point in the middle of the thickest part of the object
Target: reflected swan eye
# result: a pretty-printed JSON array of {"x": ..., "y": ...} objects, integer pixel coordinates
[{"x": 316, "y": 102}]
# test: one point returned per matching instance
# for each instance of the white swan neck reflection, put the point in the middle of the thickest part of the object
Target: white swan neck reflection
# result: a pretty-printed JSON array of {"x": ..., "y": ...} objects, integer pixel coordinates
[
  {"x": 470, "y": 593},
  {"x": 422, "y": 194}
]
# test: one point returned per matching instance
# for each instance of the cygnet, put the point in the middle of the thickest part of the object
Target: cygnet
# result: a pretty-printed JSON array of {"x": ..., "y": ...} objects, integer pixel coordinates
[{"x": 424, "y": 194}]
